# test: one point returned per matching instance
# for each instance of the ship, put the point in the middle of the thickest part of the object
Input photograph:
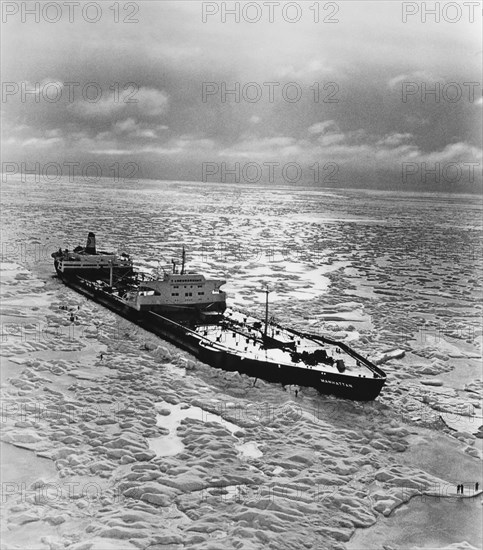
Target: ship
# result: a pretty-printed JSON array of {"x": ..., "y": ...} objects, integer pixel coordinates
[{"x": 191, "y": 311}]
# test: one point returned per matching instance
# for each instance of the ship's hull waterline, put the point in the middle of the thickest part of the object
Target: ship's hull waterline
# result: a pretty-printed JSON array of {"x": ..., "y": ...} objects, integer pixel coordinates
[{"x": 352, "y": 387}]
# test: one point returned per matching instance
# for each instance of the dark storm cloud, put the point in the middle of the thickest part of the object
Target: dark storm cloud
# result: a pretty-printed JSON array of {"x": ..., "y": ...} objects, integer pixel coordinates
[{"x": 157, "y": 67}]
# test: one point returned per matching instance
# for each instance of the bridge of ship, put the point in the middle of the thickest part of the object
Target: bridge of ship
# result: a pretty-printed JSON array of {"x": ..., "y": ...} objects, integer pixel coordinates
[
  {"x": 77, "y": 261},
  {"x": 246, "y": 341}
]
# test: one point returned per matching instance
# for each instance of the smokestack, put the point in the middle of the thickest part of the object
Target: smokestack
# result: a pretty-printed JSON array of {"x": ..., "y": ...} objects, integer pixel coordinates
[{"x": 91, "y": 244}]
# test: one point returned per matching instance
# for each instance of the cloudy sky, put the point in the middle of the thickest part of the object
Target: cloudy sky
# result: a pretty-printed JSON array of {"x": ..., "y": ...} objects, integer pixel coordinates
[{"x": 359, "y": 122}]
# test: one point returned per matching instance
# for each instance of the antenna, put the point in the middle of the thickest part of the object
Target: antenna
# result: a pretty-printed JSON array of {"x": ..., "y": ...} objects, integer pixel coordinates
[
  {"x": 266, "y": 312},
  {"x": 110, "y": 273}
]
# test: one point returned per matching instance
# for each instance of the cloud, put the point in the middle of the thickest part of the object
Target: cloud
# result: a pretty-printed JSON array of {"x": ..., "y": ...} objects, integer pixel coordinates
[
  {"x": 415, "y": 76},
  {"x": 133, "y": 129},
  {"x": 125, "y": 126},
  {"x": 263, "y": 148},
  {"x": 351, "y": 150},
  {"x": 460, "y": 152},
  {"x": 54, "y": 133},
  {"x": 331, "y": 139},
  {"x": 151, "y": 102},
  {"x": 309, "y": 70},
  {"x": 103, "y": 108},
  {"x": 172, "y": 53},
  {"x": 395, "y": 139},
  {"x": 328, "y": 133},
  {"x": 325, "y": 127},
  {"x": 193, "y": 146},
  {"x": 49, "y": 89},
  {"x": 143, "y": 102},
  {"x": 112, "y": 152},
  {"x": 41, "y": 143}
]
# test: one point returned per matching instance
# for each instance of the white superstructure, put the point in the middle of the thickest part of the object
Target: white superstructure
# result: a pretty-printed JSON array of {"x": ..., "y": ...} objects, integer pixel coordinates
[{"x": 188, "y": 290}]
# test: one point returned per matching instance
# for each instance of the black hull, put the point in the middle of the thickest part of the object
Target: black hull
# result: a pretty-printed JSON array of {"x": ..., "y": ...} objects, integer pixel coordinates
[
  {"x": 350, "y": 387},
  {"x": 356, "y": 388}
]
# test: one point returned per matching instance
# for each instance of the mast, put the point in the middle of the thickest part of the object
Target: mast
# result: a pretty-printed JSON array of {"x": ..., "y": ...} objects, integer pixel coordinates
[
  {"x": 183, "y": 261},
  {"x": 110, "y": 273},
  {"x": 266, "y": 313}
]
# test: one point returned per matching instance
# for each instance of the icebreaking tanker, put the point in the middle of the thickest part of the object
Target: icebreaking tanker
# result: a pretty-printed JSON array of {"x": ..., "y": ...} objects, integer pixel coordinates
[{"x": 190, "y": 311}]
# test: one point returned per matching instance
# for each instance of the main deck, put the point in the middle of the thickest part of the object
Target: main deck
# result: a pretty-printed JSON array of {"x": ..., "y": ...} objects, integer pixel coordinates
[{"x": 244, "y": 336}]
